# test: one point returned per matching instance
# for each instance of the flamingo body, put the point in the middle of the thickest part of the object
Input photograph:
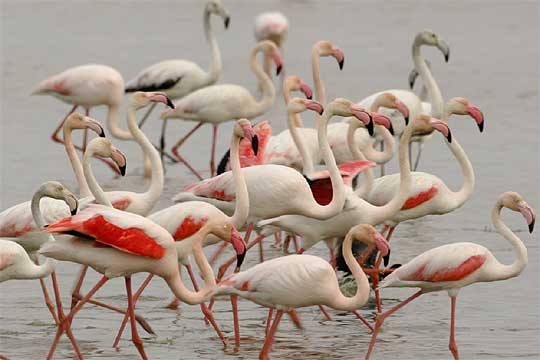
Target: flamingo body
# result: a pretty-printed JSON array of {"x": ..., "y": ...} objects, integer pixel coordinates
[
  {"x": 16, "y": 264},
  {"x": 271, "y": 26}
]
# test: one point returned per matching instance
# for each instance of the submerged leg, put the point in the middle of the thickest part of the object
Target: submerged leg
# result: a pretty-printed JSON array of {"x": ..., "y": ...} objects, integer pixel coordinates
[
  {"x": 270, "y": 336},
  {"x": 452, "y": 345}
]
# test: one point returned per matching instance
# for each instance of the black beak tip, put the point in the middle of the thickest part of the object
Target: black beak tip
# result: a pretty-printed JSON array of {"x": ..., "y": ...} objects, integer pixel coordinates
[
  {"x": 481, "y": 126},
  {"x": 73, "y": 211},
  {"x": 531, "y": 226},
  {"x": 446, "y": 57},
  {"x": 170, "y": 103},
  {"x": 255, "y": 144},
  {"x": 309, "y": 97},
  {"x": 395, "y": 266},
  {"x": 406, "y": 120},
  {"x": 391, "y": 129},
  {"x": 341, "y": 64},
  {"x": 386, "y": 259},
  {"x": 369, "y": 127},
  {"x": 227, "y": 22},
  {"x": 240, "y": 259},
  {"x": 411, "y": 84},
  {"x": 102, "y": 133},
  {"x": 122, "y": 170},
  {"x": 449, "y": 136},
  {"x": 278, "y": 70},
  {"x": 321, "y": 111}
]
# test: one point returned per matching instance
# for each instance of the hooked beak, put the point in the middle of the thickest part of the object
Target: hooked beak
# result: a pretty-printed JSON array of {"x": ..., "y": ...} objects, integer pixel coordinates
[
  {"x": 239, "y": 246},
  {"x": 227, "y": 21},
  {"x": 120, "y": 159},
  {"x": 95, "y": 126},
  {"x": 403, "y": 109},
  {"x": 412, "y": 78},
  {"x": 364, "y": 116},
  {"x": 315, "y": 106},
  {"x": 340, "y": 57},
  {"x": 477, "y": 115},
  {"x": 442, "y": 127},
  {"x": 528, "y": 214},
  {"x": 250, "y": 135},
  {"x": 162, "y": 98},
  {"x": 277, "y": 60},
  {"x": 383, "y": 246},
  {"x": 445, "y": 49},
  {"x": 382, "y": 120},
  {"x": 71, "y": 201},
  {"x": 306, "y": 90}
]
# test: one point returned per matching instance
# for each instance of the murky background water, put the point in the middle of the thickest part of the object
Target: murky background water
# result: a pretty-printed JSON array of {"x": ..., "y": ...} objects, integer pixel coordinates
[{"x": 494, "y": 63}]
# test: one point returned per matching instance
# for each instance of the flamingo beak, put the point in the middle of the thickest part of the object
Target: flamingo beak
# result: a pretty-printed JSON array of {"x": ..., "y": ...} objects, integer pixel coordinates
[
  {"x": 95, "y": 126},
  {"x": 306, "y": 90},
  {"x": 477, "y": 115},
  {"x": 227, "y": 21},
  {"x": 239, "y": 246},
  {"x": 315, "y": 106},
  {"x": 403, "y": 109},
  {"x": 162, "y": 98},
  {"x": 412, "y": 78},
  {"x": 250, "y": 135},
  {"x": 120, "y": 159},
  {"x": 340, "y": 57},
  {"x": 71, "y": 201},
  {"x": 528, "y": 214},
  {"x": 383, "y": 246},
  {"x": 277, "y": 60},
  {"x": 445, "y": 49},
  {"x": 442, "y": 127},
  {"x": 382, "y": 120},
  {"x": 364, "y": 116}
]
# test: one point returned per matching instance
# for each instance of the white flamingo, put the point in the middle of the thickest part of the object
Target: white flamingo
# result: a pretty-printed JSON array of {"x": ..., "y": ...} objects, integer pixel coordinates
[
  {"x": 225, "y": 102},
  {"x": 453, "y": 266},
  {"x": 272, "y": 26}
]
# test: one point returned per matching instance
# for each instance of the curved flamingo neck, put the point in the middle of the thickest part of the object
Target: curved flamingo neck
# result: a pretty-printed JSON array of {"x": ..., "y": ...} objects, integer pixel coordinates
[
  {"x": 96, "y": 190},
  {"x": 241, "y": 207},
  {"x": 307, "y": 161},
  {"x": 287, "y": 97},
  {"x": 267, "y": 87},
  {"x": 437, "y": 103},
  {"x": 84, "y": 190},
  {"x": 112, "y": 124},
  {"x": 215, "y": 56},
  {"x": 340, "y": 301},
  {"x": 370, "y": 152},
  {"x": 320, "y": 93},
  {"x": 508, "y": 271},
  {"x": 369, "y": 177},
  {"x": 466, "y": 190},
  {"x": 151, "y": 196},
  {"x": 49, "y": 265}
]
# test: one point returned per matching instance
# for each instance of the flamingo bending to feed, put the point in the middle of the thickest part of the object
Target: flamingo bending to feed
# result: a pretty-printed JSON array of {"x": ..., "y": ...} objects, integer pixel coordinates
[
  {"x": 117, "y": 243},
  {"x": 225, "y": 102},
  {"x": 309, "y": 281},
  {"x": 88, "y": 86},
  {"x": 271, "y": 26},
  {"x": 188, "y": 221},
  {"x": 453, "y": 266},
  {"x": 177, "y": 78}
]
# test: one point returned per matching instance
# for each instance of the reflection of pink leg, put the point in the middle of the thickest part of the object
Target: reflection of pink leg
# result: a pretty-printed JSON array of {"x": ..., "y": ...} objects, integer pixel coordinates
[
  {"x": 213, "y": 154},
  {"x": 452, "y": 345},
  {"x": 381, "y": 317},
  {"x": 179, "y": 157},
  {"x": 131, "y": 309},
  {"x": 270, "y": 336}
]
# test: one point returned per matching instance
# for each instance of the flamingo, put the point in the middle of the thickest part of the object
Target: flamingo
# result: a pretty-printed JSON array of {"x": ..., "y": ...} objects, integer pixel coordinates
[
  {"x": 177, "y": 78},
  {"x": 320, "y": 49},
  {"x": 358, "y": 210},
  {"x": 224, "y": 102},
  {"x": 88, "y": 86},
  {"x": 453, "y": 266},
  {"x": 295, "y": 281},
  {"x": 272, "y": 26},
  {"x": 187, "y": 221},
  {"x": 116, "y": 243}
]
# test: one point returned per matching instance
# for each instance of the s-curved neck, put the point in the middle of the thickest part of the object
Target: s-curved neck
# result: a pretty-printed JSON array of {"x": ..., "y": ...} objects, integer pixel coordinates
[
  {"x": 513, "y": 270},
  {"x": 267, "y": 87},
  {"x": 340, "y": 301},
  {"x": 96, "y": 190},
  {"x": 112, "y": 124},
  {"x": 372, "y": 154},
  {"x": 307, "y": 161},
  {"x": 466, "y": 190},
  {"x": 369, "y": 177},
  {"x": 84, "y": 190},
  {"x": 151, "y": 196},
  {"x": 215, "y": 56},
  {"x": 241, "y": 207},
  {"x": 39, "y": 271},
  {"x": 320, "y": 93},
  {"x": 437, "y": 103},
  {"x": 287, "y": 97}
]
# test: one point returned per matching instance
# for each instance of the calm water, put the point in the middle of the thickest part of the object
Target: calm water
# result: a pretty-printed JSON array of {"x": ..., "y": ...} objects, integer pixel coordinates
[{"x": 494, "y": 63}]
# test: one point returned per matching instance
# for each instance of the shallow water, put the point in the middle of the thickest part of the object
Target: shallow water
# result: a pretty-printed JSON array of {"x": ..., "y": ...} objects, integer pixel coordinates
[{"x": 494, "y": 63}]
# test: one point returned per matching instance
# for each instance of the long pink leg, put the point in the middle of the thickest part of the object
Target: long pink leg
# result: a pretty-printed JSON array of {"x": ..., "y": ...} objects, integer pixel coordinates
[
  {"x": 223, "y": 268},
  {"x": 218, "y": 252},
  {"x": 376, "y": 275},
  {"x": 452, "y": 345},
  {"x": 55, "y": 133},
  {"x": 126, "y": 316},
  {"x": 325, "y": 313},
  {"x": 131, "y": 309},
  {"x": 85, "y": 134},
  {"x": 270, "y": 336},
  {"x": 48, "y": 301},
  {"x": 381, "y": 317},
  {"x": 363, "y": 319},
  {"x": 295, "y": 243},
  {"x": 76, "y": 292},
  {"x": 295, "y": 319},
  {"x": 65, "y": 323},
  {"x": 213, "y": 154},
  {"x": 268, "y": 321},
  {"x": 277, "y": 237},
  {"x": 234, "y": 305},
  {"x": 179, "y": 157},
  {"x": 261, "y": 252}
]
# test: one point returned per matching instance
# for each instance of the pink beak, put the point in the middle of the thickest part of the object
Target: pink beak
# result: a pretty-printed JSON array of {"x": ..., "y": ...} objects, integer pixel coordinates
[
  {"x": 442, "y": 127},
  {"x": 528, "y": 214},
  {"x": 403, "y": 109},
  {"x": 338, "y": 54},
  {"x": 315, "y": 106},
  {"x": 382, "y": 120},
  {"x": 277, "y": 60},
  {"x": 306, "y": 90},
  {"x": 162, "y": 98},
  {"x": 383, "y": 246},
  {"x": 477, "y": 115},
  {"x": 364, "y": 116},
  {"x": 239, "y": 246}
]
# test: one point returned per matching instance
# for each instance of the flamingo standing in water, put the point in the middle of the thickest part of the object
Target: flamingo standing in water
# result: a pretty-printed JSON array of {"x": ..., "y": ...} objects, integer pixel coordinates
[
  {"x": 453, "y": 266},
  {"x": 225, "y": 102},
  {"x": 188, "y": 221},
  {"x": 295, "y": 281},
  {"x": 177, "y": 78},
  {"x": 88, "y": 86},
  {"x": 128, "y": 244}
]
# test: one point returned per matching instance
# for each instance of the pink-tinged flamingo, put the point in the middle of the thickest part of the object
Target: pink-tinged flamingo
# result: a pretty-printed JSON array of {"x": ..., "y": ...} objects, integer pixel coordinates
[
  {"x": 117, "y": 243},
  {"x": 225, "y": 102},
  {"x": 309, "y": 281},
  {"x": 271, "y": 26},
  {"x": 453, "y": 266},
  {"x": 88, "y": 86},
  {"x": 177, "y": 78},
  {"x": 186, "y": 222},
  {"x": 17, "y": 221}
]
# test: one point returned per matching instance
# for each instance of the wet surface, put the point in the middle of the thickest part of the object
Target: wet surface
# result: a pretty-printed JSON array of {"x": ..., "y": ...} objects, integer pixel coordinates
[{"x": 494, "y": 63}]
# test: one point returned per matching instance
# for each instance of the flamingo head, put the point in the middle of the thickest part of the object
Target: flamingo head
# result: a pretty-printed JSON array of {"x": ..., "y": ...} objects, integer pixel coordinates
[
  {"x": 141, "y": 99},
  {"x": 294, "y": 83},
  {"x": 297, "y": 105},
  {"x": 325, "y": 48},
  {"x": 244, "y": 129},
  {"x": 428, "y": 37},
  {"x": 103, "y": 147},
  {"x": 216, "y": 7},
  {"x": 228, "y": 233},
  {"x": 56, "y": 190},
  {"x": 389, "y": 100},
  {"x": 368, "y": 235},
  {"x": 424, "y": 124},
  {"x": 513, "y": 201},
  {"x": 346, "y": 108},
  {"x": 462, "y": 106},
  {"x": 79, "y": 121},
  {"x": 382, "y": 120}
]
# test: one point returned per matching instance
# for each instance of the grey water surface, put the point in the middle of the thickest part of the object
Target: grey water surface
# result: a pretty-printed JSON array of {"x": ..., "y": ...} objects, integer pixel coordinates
[{"x": 493, "y": 62}]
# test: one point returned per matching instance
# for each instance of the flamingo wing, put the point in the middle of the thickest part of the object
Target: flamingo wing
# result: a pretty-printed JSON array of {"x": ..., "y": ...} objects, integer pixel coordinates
[
  {"x": 124, "y": 231},
  {"x": 163, "y": 76},
  {"x": 220, "y": 187},
  {"x": 424, "y": 187}
]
